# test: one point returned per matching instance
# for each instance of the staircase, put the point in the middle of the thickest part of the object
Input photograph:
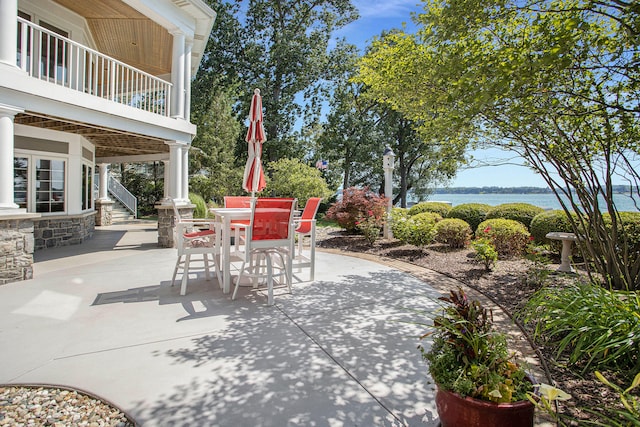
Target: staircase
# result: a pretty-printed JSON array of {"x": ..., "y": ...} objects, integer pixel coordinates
[
  {"x": 120, "y": 213},
  {"x": 121, "y": 197}
]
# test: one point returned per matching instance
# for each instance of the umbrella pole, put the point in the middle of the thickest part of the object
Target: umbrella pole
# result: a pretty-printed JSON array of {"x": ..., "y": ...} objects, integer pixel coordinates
[{"x": 256, "y": 174}]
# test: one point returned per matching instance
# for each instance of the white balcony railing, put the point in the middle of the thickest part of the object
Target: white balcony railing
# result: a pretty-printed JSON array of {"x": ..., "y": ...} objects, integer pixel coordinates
[{"x": 48, "y": 56}]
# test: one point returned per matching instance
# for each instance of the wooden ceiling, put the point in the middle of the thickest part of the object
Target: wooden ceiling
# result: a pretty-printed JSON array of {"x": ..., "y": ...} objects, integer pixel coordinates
[
  {"x": 125, "y": 34},
  {"x": 108, "y": 142}
]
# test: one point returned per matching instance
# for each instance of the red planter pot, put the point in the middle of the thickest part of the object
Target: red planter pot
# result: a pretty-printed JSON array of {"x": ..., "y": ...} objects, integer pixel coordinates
[{"x": 457, "y": 411}]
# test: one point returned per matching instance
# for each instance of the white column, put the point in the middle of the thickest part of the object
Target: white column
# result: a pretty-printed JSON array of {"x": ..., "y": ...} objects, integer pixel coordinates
[
  {"x": 8, "y": 32},
  {"x": 177, "y": 75},
  {"x": 7, "y": 114},
  {"x": 185, "y": 172},
  {"x": 175, "y": 170},
  {"x": 167, "y": 179},
  {"x": 187, "y": 80},
  {"x": 103, "y": 186}
]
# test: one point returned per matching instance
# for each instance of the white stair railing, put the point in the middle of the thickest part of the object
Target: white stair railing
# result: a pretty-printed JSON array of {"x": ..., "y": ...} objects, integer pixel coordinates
[{"x": 117, "y": 190}]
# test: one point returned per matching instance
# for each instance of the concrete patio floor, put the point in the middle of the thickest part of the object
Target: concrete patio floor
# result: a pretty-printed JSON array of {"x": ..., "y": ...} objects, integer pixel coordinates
[{"x": 339, "y": 351}]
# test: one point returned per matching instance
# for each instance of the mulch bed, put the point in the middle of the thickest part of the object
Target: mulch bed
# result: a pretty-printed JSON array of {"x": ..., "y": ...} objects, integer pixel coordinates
[{"x": 510, "y": 284}]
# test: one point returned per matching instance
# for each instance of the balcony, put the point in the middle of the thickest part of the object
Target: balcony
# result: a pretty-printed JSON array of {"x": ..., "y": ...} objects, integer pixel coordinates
[{"x": 48, "y": 56}]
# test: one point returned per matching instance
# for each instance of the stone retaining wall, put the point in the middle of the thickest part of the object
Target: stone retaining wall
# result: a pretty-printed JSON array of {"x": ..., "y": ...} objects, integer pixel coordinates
[
  {"x": 16, "y": 250},
  {"x": 51, "y": 232}
]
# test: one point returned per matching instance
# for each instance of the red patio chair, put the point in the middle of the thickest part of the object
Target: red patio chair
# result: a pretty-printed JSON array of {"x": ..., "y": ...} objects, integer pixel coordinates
[
  {"x": 306, "y": 227},
  {"x": 195, "y": 237},
  {"x": 270, "y": 234},
  {"x": 238, "y": 225}
]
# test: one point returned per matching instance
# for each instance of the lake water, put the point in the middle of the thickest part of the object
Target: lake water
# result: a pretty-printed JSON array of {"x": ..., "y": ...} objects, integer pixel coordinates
[{"x": 546, "y": 201}]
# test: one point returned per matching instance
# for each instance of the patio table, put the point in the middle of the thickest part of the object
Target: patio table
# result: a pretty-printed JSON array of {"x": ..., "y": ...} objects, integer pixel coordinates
[{"x": 225, "y": 216}]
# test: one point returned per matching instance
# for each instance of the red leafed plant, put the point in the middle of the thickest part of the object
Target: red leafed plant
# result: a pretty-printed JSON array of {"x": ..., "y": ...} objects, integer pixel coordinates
[{"x": 358, "y": 204}]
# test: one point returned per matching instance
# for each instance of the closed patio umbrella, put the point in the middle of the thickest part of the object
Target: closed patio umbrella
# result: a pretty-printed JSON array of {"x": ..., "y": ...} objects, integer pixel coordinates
[{"x": 253, "y": 180}]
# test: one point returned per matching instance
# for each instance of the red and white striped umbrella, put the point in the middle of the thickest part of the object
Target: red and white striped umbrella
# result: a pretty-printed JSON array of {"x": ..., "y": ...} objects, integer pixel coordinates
[{"x": 253, "y": 180}]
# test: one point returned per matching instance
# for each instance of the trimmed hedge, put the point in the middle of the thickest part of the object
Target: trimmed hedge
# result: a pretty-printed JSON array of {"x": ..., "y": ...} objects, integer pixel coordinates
[
  {"x": 508, "y": 237},
  {"x": 420, "y": 229},
  {"x": 440, "y": 208},
  {"x": 629, "y": 223},
  {"x": 521, "y": 212},
  {"x": 453, "y": 232},
  {"x": 548, "y": 221},
  {"x": 398, "y": 221},
  {"x": 472, "y": 213}
]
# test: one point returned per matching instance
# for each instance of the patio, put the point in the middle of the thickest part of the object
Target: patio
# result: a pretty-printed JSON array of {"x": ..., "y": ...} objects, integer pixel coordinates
[{"x": 103, "y": 317}]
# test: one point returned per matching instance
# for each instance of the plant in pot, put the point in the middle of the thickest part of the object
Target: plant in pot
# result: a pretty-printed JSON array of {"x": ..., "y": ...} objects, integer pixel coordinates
[{"x": 478, "y": 383}]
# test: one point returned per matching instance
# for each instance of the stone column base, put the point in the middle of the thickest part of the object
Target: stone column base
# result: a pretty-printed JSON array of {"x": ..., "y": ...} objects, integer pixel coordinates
[
  {"x": 16, "y": 247},
  {"x": 104, "y": 212},
  {"x": 167, "y": 221}
]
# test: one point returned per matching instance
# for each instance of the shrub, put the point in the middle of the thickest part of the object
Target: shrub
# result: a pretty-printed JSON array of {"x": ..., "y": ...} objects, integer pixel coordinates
[
  {"x": 200, "y": 210},
  {"x": 399, "y": 225},
  {"x": 521, "y": 212},
  {"x": 440, "y": 208},
  {"x": 629, "y": 226},
  {"x": 453, "y": 232},
  {"x": 356, "y": 203},
  {"x": 591, "y": 326},
  {"x": 547, "y": 222},
  {"x": 472, "y": 213},
  {"x": 370, "y": 226},
  {"x": 508, "y": 237},
  {"x": 485, "y": 252},
  {"x": 421, "y": 228}
]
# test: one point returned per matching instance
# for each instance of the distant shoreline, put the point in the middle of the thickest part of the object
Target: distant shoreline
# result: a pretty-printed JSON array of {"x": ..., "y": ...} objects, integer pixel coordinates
[{"x": 618, "y": 189}]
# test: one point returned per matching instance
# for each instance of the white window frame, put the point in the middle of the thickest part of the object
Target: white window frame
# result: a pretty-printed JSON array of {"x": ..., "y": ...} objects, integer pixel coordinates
[
  {"x": 88, "y": 185},
  {"x": 31, "y": 157}
]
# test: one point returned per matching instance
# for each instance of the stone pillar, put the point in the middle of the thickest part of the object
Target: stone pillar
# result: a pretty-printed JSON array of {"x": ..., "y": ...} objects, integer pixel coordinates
[
  {"x": 8, "y": 31},
  {"x": 16, "y": 247},
  {"x": 185, "y": 173},
  {"x": 7, "y": 114},
  {"x": 177, "y": 75},
  {"x": 167, "y": 222},
  {"x": 103, "y": 190},
  {"x": 104, "y": 212}
]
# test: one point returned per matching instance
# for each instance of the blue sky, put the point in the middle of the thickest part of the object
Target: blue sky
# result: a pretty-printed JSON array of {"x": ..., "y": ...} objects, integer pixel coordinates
[{"x": 379, "y": 15}]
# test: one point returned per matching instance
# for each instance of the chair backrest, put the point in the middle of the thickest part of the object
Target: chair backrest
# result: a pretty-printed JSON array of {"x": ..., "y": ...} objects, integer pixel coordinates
[
  {"x": 271, "y": 219},
  {"x": 308, "y": 214},
  {"x": 237, "y": 201}
]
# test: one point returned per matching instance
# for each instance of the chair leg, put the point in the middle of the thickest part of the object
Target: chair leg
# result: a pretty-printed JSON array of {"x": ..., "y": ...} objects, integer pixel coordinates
[
  {"x": 216, "y": 262},
  {"x": 312, "y": 255},
  {"x": 175, "y": 270},
  {"x": 185, "y": 274},
  {"x": 269, "y": 280},
  {"x": 235, "y": 290}
]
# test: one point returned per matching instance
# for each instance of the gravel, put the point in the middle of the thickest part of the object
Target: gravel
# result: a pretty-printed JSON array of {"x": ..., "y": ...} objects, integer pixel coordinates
[{"x": 56, "y": 406}]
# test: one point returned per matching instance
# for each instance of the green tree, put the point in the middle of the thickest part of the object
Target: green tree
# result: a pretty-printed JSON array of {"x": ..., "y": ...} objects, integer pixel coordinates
[
  {"x": 555, "y": 81},
  {"x": 215, "y": 171},
  {"x": 292, "y": 178},
  {"x": 350, "y": 140},
  {"x": 283, "y": 49}
]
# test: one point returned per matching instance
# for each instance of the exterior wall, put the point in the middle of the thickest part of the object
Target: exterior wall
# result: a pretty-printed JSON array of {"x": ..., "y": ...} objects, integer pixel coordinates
[
  {"x": 16, "y": 249},
  {"x": 51, "y": 232}
]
